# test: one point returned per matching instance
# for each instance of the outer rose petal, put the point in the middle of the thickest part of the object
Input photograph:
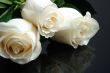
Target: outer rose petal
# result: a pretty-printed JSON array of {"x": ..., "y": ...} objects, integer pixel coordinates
[
  {"x": 33, "y": 9},
  {"x": 69, "y": 15}
]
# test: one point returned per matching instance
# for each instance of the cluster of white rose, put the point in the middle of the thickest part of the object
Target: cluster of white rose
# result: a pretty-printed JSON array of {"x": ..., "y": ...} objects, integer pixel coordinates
[{"x": 20, "y": 38}]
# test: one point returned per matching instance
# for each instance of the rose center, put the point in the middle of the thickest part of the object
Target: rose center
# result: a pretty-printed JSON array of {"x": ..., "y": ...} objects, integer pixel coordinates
[
  {"x": 84, "y": 29},
  {"x": 50, "y": 23},
  {"x": 16, "y": 49}
]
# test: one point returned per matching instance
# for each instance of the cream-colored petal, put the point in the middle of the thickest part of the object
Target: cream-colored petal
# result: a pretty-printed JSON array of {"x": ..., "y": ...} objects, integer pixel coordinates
[
  {"x": 15, "y": 25},
  {"x": 69, "y": 15},
  {"x": 33, "y": 8},
  {"x": 36, "y": 45}
]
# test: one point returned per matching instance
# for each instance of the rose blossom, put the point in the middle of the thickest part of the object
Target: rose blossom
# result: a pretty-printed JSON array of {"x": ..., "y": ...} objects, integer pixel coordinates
[
  {"x": 78, "y": 30},
  {"x": 50, "y": 21},
  {"x": 44, "y": 14},
  {"x": 19, "y": 41}
]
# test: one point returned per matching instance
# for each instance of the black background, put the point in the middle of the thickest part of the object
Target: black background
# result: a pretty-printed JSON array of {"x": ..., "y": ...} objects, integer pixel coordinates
[
  {"x": 56, "y": 59},
  {"x": 101, "y": 41}
]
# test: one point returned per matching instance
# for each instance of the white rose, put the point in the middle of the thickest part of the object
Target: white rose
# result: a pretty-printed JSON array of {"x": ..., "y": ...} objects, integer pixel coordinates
[
  {"x": 80, "y": 29},
  {"x": 33, "y": 8},
  {"x": 44, "y": 14},
  {"x": 19, "y": 41},
  {"x": 50, "y": 21}
]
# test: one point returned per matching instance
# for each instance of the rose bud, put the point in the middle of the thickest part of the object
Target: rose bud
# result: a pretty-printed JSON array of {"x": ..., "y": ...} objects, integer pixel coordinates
[
  {"x": 78, "y": 30},
  {"x": 44, "y": 14}
]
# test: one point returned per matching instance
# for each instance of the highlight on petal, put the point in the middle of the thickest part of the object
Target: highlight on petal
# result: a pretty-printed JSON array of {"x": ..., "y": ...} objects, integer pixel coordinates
[
  {"x": 69, "y": 14},
  {"x": 33, "y": 8},
  {"x": 19, "y": 41}
]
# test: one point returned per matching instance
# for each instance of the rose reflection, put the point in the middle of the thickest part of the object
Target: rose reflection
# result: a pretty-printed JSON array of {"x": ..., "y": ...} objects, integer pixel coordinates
[
  {"x": 60, "y": 58},
  {"x": 64, "y": 59}
]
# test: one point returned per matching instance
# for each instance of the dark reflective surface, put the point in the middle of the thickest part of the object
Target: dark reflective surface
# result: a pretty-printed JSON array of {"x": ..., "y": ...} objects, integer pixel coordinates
[
  {"x": 64, "y": 59},
  {"x": 59, "y": 58},
  {"x": 101, "y": 63}
]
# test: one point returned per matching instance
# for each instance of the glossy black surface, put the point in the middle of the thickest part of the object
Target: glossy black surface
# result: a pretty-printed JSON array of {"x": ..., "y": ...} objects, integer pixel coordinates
[
  {"x": 61, "y": 58},
  {"x": 101, "y": 42}
]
